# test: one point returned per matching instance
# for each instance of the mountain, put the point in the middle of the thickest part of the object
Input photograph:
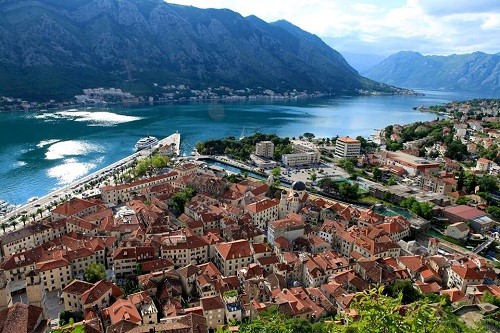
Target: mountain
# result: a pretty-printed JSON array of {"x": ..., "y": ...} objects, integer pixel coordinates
[
  {"x": 362, "y": 61},
  {"x": 475, "y": 71},
  {"x": 54, "y": 49}
]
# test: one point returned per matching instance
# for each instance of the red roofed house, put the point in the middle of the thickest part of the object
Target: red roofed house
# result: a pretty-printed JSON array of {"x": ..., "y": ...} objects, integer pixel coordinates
[
  {"x": 22, "y": 318},
  {"x": 213, "y": 311},
  {"x": 462, "y": 213},
  {"x": 232, "y": 256},
  {"x": 461, "y": 276},
  {"x": 125, "y": 259},
  {"x": 121, "y": 310},
  {"x": 79, "y": 295},
  {"x": 263, "y": 212},
  {"x": 291, "y": 227},
  {"x": 74, "y": 207}
]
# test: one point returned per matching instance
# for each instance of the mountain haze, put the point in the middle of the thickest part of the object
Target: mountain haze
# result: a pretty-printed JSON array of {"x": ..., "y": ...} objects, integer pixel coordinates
[
  {"x": 54, "y": 48},
  {"x": 475, "y": 71},
  {"x": 362, "y": 61}
]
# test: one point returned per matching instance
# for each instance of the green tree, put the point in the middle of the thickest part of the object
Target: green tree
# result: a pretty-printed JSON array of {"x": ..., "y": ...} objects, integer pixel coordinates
[
  {"x": 142, "y": 167},
  {"x": 348, "y": 190},
  {"x": 276, "y": 172},
  {"x": 309, "y": 136},
  {"x": 4, "y": 226},
  {"x": 488, "y": 183},
  {"x": 313, "y": 176},
  {"x": 327, "y": 184},
  {"x": 299, "y": 325},
  {"x": 14, "y": 224},
  {"x": 377, "y": 174},
  {"x": 403, "y": 289},
  {"x": 180, "y": 199},
  {"x": 463, "y": 200},
  {"x": 347, "y": 165},
  {"x": 391, "y": 181},
  {"x": 456, "y": 150},
  {"x": 378, "y": 313},
  {"x": 159, "y": 161},
  {"x": 95, "y": 272},
  {"x": 23, "y": 219},
  {"x": 39, "y": 211},
  {"x": 493, "y": 211},
  {"x": 461, "y": 178}
]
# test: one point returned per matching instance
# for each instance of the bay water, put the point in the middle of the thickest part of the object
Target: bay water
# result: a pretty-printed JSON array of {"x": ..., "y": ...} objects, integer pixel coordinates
[{"x": 43, "y": 150}]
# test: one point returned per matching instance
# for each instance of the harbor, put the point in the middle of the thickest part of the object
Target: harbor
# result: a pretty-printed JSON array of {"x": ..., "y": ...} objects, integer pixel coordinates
[{"x": 38, "y": 207}]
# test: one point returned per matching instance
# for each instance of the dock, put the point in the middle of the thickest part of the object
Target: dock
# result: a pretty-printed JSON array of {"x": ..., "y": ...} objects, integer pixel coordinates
[{"x": 173, "y": 140}]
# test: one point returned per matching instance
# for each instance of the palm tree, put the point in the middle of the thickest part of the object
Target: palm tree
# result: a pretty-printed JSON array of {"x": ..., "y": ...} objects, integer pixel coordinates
[
  {"x": 4, "y": 226},
  {"x": 23, "y": 219},
  {"x": 14, "y": 224},
  {"x": 33, "y": 215},
  {"x": 39, "y": 211}
]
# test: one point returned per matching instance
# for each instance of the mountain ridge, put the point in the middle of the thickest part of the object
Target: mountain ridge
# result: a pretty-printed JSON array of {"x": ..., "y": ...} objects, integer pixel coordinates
[
  {"x": 54, "y": 49},
  {"x": 474, "y": 71}
]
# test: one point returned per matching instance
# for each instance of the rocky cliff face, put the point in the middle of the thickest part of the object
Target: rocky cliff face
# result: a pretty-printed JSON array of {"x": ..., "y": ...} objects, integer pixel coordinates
[
  {"x": 54, "y": 48},
  {"x": 475, "y": 71}
]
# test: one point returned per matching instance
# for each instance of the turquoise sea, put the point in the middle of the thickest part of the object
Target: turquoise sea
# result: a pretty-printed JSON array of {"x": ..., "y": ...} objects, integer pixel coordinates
[{"x": 43, "y": 150}]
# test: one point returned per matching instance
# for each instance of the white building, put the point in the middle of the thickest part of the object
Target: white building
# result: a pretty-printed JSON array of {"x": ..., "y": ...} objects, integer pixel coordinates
[
  {"x": 457, "y": 230},
  {"x": 311, "y": 157},
  {"x": 347, "y": 147},
  {"x": 265, "y": 149}
]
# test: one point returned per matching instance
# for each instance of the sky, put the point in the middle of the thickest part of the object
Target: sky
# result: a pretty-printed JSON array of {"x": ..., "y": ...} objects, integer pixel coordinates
[{"x": 383, "y": 27}]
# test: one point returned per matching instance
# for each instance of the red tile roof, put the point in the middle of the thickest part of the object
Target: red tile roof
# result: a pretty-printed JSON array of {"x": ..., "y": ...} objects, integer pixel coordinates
[
  {"x": 467, "y": 273},
  {"x": 122, "y": 310},
  {"x": 22, "y": 318},
  {"x": 465, "y": 212},
  {"x": 235, "y": 249},
  {"x": 211, "y": 303},
  {"x": 73, "y": 206},
  {"x": 77, "y": 287}
]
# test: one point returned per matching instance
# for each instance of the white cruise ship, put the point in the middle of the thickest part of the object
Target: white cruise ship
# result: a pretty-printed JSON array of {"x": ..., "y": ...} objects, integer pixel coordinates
[{"x": 147, "y": 142}]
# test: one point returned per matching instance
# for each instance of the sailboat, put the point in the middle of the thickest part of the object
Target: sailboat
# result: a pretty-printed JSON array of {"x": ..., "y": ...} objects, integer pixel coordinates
[{"x": 242, "y": 135}]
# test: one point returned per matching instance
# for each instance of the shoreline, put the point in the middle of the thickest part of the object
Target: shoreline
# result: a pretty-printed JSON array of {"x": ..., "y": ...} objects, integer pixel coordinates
[
  {"x": 67, "y": 191},
  {"x": 144, "y": 102}
]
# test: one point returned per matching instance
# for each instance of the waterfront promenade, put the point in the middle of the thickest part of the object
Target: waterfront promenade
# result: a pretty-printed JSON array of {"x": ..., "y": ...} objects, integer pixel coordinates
[{"x": 70, "y": 190}]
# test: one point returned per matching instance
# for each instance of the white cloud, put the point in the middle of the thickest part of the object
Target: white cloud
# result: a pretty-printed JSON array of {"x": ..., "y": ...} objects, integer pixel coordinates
[{"x": 427, "y": 26}]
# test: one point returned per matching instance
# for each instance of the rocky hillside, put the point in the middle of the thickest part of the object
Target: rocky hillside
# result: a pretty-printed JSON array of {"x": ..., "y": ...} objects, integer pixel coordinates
[
  {"x": 54, "y": 48},
  {"x": 475, "y": 71}
]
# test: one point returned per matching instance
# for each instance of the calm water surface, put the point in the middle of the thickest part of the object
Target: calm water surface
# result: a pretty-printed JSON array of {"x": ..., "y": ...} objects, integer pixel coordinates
[{"x": 43, "y": 150}]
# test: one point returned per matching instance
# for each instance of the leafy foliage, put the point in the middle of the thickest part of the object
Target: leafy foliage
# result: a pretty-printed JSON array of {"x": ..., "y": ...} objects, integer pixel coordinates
[
  {"x": 95, "y": 272},
  {"x": 422, "y": 209},
  {"x": 241, "y": 149},
  {"x": 376, "y": 313},
  {"x": 180, "y": 199}
]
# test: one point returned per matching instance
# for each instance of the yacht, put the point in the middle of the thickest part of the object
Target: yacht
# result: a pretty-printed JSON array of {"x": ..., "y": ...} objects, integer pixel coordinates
[{"x": 147, "y": 142}]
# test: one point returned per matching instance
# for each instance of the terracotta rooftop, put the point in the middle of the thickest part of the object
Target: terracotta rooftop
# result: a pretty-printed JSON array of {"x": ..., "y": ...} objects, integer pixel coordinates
[
  {"x": 467, "y": 273},
  {"x": 22, "y": 318},
  {"x": 122, "y": 310},
  {"x": 465, "y": 212},
  {"x": 77, "y": 287},
  {"x": 98, "y": 290},
  {"x": 211, "y": 303},
  {"x": 73, "y": 206},
  {"x": 262, "y": 205},
  {"x": 235, "y": 249}
]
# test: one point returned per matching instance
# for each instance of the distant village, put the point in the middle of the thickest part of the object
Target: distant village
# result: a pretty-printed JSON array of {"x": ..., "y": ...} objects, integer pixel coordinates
[
  {"x": 192, "y": 248},
  {"x": 170, "y": 93}
]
